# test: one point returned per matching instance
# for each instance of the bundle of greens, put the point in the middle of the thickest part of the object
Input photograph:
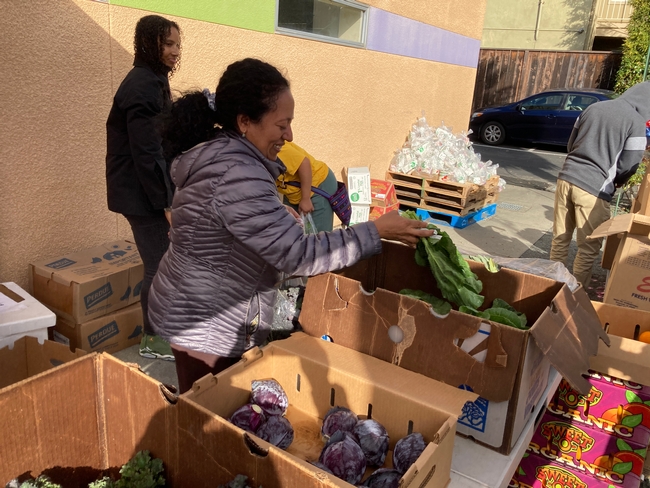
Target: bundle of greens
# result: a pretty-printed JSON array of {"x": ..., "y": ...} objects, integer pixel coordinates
[
  {"x": 456, "y": 281},
  {"x": 141, "y": 471},
  {"x": 500, "y": 312}
]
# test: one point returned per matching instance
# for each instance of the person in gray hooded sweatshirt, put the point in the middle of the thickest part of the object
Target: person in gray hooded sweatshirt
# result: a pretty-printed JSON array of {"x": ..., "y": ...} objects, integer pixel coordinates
[{"x": 604, "y": 151}]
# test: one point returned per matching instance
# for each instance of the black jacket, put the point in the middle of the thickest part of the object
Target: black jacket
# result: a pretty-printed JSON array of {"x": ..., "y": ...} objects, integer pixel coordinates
[{"x": 137, "y": 176}]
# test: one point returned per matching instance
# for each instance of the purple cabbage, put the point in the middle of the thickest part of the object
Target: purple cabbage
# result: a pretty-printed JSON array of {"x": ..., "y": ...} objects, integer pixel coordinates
[
  {"x": 373, "y": 439},
  {"x": 407, "y": 450},
  {"x": 249, "y": 417},
  {"x": 338, "y": 418},
  {"x": 270, "y": 396},
  {"x": 383, "y": 478},
  {"x": 344, "y": 457},
  {"x": 276, "y": 430}
]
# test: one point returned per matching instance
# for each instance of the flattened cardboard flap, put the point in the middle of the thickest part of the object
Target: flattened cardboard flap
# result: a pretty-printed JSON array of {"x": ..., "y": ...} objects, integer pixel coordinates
[
  {"x": 568, "y": 333},
  {"x": 633, "y": 223}
]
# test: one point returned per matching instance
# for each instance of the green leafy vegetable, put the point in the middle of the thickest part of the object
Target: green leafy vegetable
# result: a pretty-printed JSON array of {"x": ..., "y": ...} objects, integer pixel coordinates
[
  {"x": 456, "y": 281},
  {"x": 141, "y": 472},
  {"x": 439, "y": 306}
]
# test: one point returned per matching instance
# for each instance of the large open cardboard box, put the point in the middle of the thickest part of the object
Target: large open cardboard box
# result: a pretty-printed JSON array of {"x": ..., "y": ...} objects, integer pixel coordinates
[
  {"x": 83, "y": 285},
  {"x": 317, "y": 375},
  {"x": 507, "y": 367},
  {"x": 627, "y": 256},
  {"x": 97, "y": 412}
]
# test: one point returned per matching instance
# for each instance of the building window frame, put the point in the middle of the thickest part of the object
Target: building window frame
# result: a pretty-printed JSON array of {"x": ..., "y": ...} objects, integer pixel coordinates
[{"x": 324, "y": 38}]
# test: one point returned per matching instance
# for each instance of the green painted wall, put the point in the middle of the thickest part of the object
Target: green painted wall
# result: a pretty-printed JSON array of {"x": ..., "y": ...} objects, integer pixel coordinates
[{"x": 258, "y": 15}]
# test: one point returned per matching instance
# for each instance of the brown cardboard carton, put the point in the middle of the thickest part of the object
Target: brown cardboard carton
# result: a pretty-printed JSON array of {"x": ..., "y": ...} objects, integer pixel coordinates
[
  {"x": 108, "y": 333},
  {"x": 317, "y": 375},
  {"x": 628, "y": 284},
  {"x": 626, "y": 358},
  {"x": 507, "y": 367},
  {"x": 98, "y": 412},
  {"x": 90, "y": 283},
  {"x": 27, "y": 357}
]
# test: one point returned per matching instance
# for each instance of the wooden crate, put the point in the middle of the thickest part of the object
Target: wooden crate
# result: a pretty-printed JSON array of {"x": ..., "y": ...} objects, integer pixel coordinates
[
  {"x": 459, "y": 210},
  {"x": 429, "y": 192}
]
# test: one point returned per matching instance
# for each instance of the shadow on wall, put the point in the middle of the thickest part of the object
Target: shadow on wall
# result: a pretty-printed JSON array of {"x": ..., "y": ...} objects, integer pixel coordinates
[{"x": 63, "y": 68}]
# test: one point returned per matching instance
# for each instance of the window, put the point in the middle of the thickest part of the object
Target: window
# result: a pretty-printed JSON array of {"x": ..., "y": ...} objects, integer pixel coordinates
[
  {"x": 545, "y": 102},
  {"x": 579, "y": 102},
  {"x": 340, "y": 21}
]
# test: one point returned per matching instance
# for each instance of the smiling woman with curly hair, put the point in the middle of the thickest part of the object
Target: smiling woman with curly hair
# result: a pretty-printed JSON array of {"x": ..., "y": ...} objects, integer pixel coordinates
[{"x": 137, "y": 176}]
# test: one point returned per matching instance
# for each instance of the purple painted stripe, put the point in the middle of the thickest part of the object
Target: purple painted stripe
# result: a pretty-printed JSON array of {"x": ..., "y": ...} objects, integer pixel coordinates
[{"x": 394, "y": 34}]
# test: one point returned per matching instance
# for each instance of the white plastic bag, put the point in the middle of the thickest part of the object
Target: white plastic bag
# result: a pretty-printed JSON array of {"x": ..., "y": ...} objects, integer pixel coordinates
[{"x": 290, "y": 289}]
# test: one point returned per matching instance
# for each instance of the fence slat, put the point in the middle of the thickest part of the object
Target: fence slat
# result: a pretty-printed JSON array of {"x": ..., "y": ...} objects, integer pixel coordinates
[{"x": 507, "y": 75}]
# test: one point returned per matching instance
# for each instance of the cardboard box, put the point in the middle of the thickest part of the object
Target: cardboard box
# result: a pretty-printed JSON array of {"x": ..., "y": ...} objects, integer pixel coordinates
[
  {"x": 97, "y": 412},
  {"x": 626, "y": 359},
  {"x": 587, "y": 451},
  {"x": 27, "y": 357},
  {"x": 317, "y": 375},
  {"x": 109, "y": 333},
  {"x": 540, "y": 472},
  {"x": 383, "y": 196},
  {"x": 359, "y": 185},
  {"x": 360, "y": 213},
  {"x": 628, "y": 284},
  {"x": 507, "y": 367},
  {"x": 87, "y": 284},
  {"x": 22, "y": 315},
  {"x": 611, "y": 407}
]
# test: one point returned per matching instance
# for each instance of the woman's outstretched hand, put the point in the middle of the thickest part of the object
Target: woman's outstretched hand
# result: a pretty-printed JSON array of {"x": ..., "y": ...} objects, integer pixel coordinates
[{"x": 393, "y": 227}]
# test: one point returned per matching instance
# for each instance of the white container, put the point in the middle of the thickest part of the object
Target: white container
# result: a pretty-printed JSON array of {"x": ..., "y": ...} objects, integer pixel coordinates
[{"x": 22, "y": 315}]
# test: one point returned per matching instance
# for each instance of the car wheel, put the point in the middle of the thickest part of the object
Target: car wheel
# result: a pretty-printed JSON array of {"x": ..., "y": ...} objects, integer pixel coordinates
[{"x": 493, "y": 133}]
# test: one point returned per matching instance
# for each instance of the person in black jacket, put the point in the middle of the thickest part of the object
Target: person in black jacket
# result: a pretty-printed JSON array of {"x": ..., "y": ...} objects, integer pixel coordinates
[{"x": 137, "y": 175}]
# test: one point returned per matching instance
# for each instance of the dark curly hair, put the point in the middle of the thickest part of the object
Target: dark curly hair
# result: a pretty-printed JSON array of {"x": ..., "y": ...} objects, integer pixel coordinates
[
  {"x": 248, "y": 87},
  {"x": 188, "y": 122},
  {"x": 151, "y": 31}
]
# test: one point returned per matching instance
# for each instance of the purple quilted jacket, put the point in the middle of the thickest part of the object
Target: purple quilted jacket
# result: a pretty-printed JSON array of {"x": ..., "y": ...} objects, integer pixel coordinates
[{"x": 231, "y": 237}]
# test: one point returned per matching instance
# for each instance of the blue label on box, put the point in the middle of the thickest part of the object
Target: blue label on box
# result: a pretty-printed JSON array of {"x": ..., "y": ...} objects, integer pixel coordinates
[
  {"x": 103, "y": 334},
  {"x": 474, "y": 413},
  {"x": 98, "y": 295},
  {"x": 61, "y": 263}
]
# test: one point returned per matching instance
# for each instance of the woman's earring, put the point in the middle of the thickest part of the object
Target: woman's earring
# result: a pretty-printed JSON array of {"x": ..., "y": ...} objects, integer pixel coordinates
[{"x": 243, "y": 134}]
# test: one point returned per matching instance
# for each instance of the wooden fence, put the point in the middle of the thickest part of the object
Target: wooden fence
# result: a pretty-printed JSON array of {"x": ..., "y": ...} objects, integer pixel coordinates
[{"x": 507, "y": 75}]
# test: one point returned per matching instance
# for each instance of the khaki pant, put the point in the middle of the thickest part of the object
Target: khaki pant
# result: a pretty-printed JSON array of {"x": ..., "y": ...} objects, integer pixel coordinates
[{"x": 576, "y": 209}]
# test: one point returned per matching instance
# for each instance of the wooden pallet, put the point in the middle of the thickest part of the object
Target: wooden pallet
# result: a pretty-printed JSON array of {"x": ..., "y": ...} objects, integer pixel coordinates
[
  {"x": 423, "y": 191},
  {"x": 411, "y": 180}
]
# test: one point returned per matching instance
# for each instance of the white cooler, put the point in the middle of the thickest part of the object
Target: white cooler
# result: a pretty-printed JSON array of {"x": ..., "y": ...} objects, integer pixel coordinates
[{"x": 22, "y": 315}]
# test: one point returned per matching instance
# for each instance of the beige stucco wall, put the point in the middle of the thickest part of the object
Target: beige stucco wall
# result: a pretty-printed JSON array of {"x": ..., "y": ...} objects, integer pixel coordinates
[
  {"x": 65, "y": 59},
  {"x": 555, "y": 24}
]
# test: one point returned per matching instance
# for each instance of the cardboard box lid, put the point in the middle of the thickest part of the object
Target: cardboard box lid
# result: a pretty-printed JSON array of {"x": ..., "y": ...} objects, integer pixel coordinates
[
  {"x": 385, "y": 376},
  {"x": 20, "y": 312},
  {"x": 89, "y": 264},
  {"x": 568, "y": 333},
  {"x": 631, "y": 223}
]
